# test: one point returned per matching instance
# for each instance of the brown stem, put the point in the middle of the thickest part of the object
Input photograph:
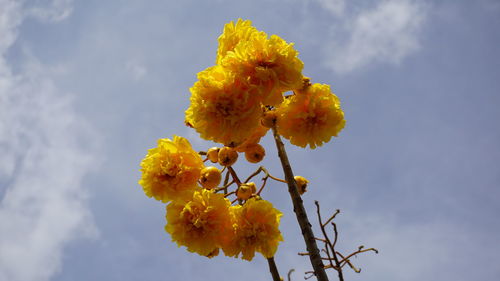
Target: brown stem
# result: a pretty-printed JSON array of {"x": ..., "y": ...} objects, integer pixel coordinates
[
  {"x": 290, "y": 274},
  {"x": 329, "y": 244},
  {"x": 234, "y": 175},
  {"x": 300, "y": 212},
  {"x": 357, "y": 270},
  {"x": 274, "y": 270},
  {"x": 345, "y": 259}
]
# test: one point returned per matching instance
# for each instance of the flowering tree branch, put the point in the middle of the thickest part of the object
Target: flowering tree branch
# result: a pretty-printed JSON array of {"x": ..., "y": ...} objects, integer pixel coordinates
[
  {"x": 300, "y": 212},
  {"x": 234, "y": 103}
]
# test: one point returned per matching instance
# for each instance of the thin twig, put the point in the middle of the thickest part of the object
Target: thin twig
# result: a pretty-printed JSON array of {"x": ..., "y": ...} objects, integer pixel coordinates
[
  {"x": 226, "y": 180},
  {"x": 224, "y": 187},
  {"x": 289, "y": 275},
  {"x": 332, "y": 217},
  {"x": 328, "y": 243},
  {"x": 327, "y": 251},
  {"x": 234, "y": 175},
  {"x": 349, "y": 263},
  {"x": 357, "y": 252},
  {"x": 254, "y": 174},
  {"x": 227, "y": 194}
]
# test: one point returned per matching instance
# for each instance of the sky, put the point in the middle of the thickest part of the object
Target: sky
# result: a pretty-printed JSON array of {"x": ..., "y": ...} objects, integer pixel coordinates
[{"x": 86, "y": 87}]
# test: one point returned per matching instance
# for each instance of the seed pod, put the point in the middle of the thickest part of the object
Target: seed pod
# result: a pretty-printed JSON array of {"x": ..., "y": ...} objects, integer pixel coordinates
[
  {"x": 246, "y": 190},
  {"x": 227, "y": 156},
  {"x": 301, "y": 184},
  {"x": 269, "y": 118},
  {"x": 254, "y": 153},
  {"x": 213, "y": 154},
  {"x": 210, "y": 177}
]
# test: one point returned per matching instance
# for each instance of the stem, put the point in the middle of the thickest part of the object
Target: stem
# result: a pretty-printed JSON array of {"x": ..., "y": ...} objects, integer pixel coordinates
[
  {"x": 328, "y": 243},
  {"x": 300, "y": 212},
  {"x": 274, "y": 270}
]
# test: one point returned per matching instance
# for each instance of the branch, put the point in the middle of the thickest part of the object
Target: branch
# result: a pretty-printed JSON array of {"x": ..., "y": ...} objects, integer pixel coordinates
[
  {"x": 328, "y": 243},
  {"x": 274, "y": 270},
  {"x": 300, "y": 212}
]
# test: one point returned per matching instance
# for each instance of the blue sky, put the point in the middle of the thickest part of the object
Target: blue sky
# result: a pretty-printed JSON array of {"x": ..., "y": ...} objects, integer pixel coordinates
[{"x": 86, "y": 87}]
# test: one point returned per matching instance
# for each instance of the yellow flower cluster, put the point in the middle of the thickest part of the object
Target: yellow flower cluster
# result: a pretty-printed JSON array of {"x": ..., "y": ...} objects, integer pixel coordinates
[
  {"x": 311, "y": 116},
  {"x": 170, "y": 170},
  {"x": 235, "y": 102},
  {"x": 252, "y": 72},
  {"x": 207, "y": 222},
  {"x": 256, "y": 230},
  {"x": 202, "y": 224},
  {"x": 199, "y": 218},
  {"x": 224, "y": 108}
]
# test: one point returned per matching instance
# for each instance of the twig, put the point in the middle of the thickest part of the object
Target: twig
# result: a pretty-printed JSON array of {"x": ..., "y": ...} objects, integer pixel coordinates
[
  {"x": 226, "y": 180},
  {"x": 328, "y": 243},
  {"x": 224, "y": 187},
  {"x": 332, "y": 217},
  {"x": 349, "y": 263},
  {"x": 227, "y": 194},
  {"x": 234, "y": 175},
  {"x": 289, "y": 275},
  {"x": 359, "y": 251}
]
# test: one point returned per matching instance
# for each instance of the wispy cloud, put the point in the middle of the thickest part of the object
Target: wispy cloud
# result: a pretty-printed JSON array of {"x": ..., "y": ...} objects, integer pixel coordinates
[
  {"x": 385, "y": 33},
  {"x": 46, "y": 150},
  {"x": 136, "y": 69},
  {"x": 336, "y": 7},
  {"x": 49, "y": 10}
]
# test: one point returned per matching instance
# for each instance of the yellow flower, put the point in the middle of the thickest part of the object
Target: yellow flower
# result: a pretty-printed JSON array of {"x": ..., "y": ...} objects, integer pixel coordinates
[
  {"x": 256, "y": 230},
  {"x": 270, "y": 63},
  {"x": 224, "y": 108},
  {"x": 170, "y": 170},
  {"x": 202, "y": 223},
  {"x": 311, "y": 116},
  {"x": 232, "y": 35}
]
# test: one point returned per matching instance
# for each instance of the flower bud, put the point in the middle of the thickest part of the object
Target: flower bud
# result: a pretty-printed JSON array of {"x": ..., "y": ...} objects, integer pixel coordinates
[
  {"x": 301, "y": 184},
  {"x": 254, "y": 153},
  {"x": 269, "y": 118},
  {"x": 213, "y": 154},
  {"x": 246, "y": 190},
  {"x": 210, "y": 177},
  {"x": 227, "y": 156}
]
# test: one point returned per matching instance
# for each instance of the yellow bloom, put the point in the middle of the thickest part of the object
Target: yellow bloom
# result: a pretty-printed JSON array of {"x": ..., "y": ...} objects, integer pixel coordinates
[
  {"x": 270, "y": 63},
  {"x": 170, "y": 170},
  {"x": 232, "y": 35},
  {"x": 256, "y": 230},
  {"x": 224, "y": 108},
  {"x": 311, "y": 116},
  {"x": 202, "y": 224}
]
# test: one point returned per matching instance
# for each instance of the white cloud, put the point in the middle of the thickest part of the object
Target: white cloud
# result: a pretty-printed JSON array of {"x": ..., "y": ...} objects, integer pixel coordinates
[
  {"x": 10, "y": 17},
  {"x": 386, "y": 33},
  {"x": 49, "y": 10},
  {"x": 136, "y": 69},
  {"x": 46, "y": 150},
  {"x": 336, "y": 7}
]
